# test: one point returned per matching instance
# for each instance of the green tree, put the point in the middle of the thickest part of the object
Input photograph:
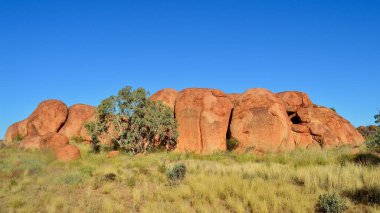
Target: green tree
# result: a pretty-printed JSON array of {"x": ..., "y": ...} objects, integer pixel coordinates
[
  {"x": 374, "y": 143},
  {"x": 377, "y": 118},
  {"x": 134, "y": 123}
]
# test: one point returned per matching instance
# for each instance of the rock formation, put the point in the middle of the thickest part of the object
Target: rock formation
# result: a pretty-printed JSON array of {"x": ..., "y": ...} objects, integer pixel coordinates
[
  {"x": 203, "y": 116},
  {"x": 167, "y": 96},
  {"x": 40, "y": 129},
  {"x": 314, "y": 125},
  {"x": 79, "y": 114},
  {"x": 260, "y": 122},
  {"x": 258, "y": 119}
]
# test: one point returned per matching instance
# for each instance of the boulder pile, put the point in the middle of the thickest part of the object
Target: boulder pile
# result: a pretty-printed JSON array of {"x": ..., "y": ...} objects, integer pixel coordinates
[
  {"x": 261, "y": 121},
  {"x": 49, "y": 127}
]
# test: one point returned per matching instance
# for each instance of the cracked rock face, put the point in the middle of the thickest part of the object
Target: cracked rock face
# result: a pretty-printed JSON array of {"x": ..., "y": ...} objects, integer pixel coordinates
[
  {"x": 78, "y": 115},
  {"x": 48, "y": 117},
  {"x": 260, "y": 122},
  {"x": 203, "y": 116}
]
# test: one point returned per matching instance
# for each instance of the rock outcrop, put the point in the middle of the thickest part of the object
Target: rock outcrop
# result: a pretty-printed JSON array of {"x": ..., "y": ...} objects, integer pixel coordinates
[
  {"x": 314, "y": 125},
  {"x": 53, "y": 141},
  {"x": 68, "y": 153},
  {"x": 16, "y": 131},
  {"x": 166, "y": 96},
  {"x": 368, "y": 131},
  {"x": 40, "y": 129},
  {"x": 260, "y": 123},
  {"x": 48, "y": 117},
  {"x": 203, "y": 116},
  {"x": 328, "y": 128},
  {"x": 258, "y": 119},
  {"x": 78, "y": 115},
  {"x": 295, "y": 100}
]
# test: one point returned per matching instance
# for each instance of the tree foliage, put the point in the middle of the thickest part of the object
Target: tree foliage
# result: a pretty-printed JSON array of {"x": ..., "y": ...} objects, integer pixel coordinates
[
  {"x": 374, "y": 143},
  {"x": 134, "y": 123},
  {"x": 377, "y": 118}
]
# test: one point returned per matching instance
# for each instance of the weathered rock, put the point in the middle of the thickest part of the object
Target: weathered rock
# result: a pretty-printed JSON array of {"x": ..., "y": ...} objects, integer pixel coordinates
[
  {"x": 368, "y": 131},
  {"x": 305, "y": 140},
  {"x": 79, "y": 114},
  {"x": 329, "y": 128},
  {"x": 68, "y": 153},
  {"x": 48, "y": 117},
  {"x": 167, "y": 96},
  {"x": 203, "y": 116},
  {"x": 31, "y": 142},
  {"x": 300, "y": 128},
  {"x": 295, "y": 100},
  {"x": 233, "y": 97},
  {"x": 53, "y": 141},
  {"x": 113, "y": 154},
  {"x": 260, "y": 122},
  {"x": 16, "y": 131}
]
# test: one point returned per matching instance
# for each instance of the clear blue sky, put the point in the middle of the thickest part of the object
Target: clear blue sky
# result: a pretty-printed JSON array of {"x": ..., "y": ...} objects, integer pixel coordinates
[{"x": 84, "y": 51}]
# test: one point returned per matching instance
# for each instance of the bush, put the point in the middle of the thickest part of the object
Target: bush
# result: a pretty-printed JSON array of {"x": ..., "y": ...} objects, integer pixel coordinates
[
  {"x": 134, "y": 123},
  {"x": 330, "y": 203},
  {"x": 177, "y": 173},
  {"x": 374, "y": 143},
  {"x": 232, "y": 144}
]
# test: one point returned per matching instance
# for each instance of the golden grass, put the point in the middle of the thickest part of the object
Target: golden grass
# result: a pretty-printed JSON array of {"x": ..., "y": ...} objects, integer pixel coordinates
[{"x": 222, "y": 182}]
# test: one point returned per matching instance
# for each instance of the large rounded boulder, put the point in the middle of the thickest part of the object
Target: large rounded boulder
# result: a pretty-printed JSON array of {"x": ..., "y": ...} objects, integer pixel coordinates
[
  {"x": 53, "y": 141},
  {"x": 166, "y": 96},
  {"x": 295, "y": 100},
  {"x": 68, "y": 153},
  {"x": 49, "y": 117},
  {"x": 203, "y": 116},
  {"x": 260, "y": 123},
  {"x": 79, "y": 114}
]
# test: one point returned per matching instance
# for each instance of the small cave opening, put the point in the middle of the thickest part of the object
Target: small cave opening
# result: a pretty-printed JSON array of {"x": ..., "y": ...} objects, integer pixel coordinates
[{"x": 295, "y": 119}]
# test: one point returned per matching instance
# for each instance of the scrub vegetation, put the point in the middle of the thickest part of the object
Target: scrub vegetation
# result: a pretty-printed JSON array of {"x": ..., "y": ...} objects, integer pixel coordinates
[{"x": 298, "y": 181}]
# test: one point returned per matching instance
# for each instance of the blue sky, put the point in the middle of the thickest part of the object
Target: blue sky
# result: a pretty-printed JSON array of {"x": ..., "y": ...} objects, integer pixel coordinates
[{"x": 84, "y": 51}]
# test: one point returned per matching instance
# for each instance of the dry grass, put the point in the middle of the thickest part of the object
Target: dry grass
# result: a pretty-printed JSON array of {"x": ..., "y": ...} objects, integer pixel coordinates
[{"x": 222, "y": 182}]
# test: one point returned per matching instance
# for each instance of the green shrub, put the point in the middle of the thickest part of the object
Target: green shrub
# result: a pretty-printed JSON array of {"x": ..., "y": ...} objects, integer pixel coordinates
[
  {"x": 330, "y": 203},
  {"x": 374, "y": 143},
  {"x": 177, "y": 173},
  {"x": 232, "y": 144},
  {"x": 134, "y": 123}
]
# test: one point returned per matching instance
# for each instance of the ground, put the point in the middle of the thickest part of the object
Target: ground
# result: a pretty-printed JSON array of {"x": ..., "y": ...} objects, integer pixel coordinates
[{"x": 222, "y": 182}]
